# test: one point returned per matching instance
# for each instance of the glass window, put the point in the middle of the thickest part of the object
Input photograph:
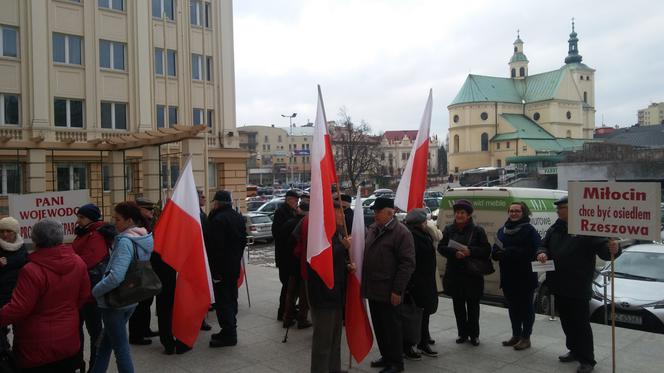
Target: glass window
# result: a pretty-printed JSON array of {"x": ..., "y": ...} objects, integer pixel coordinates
[
  {"x": 210, "y": 118},
  {"x": 106, "y": 178},
  {"x": 168, "y": 9},
  {"x": 194, "y": 10},
  {"x": 208, "y": 68},
  {"x": 103, "y": 3},
  {"x": 111, "y": 55},
  {"x": 159, "y": 7},
  {"x": 484, "y": 142},
  {"x": 120, "y": 116},
  {"x": 212, "y": 175},
  {"x": 196, "y": 66},
  {"x": 198, "y": 116},
  {"x": 159, "y": 61},
  {"x": 9, "y": 44},
  {"x": 172, "y": 115},
  {"x": 156, "y": 8},
  {"x": 106, "y": 115},
  {"x": 75, "y": 55},
  {"x": 71, "y": 177},
  {"x": 207, "y": 14},
  {"x": 114, "y": 115},
  {"x": 59, "y": 54},
  {"x": 111, "y": 4},
  {"x": 10, "y": 179},
  {"x": 172, "y": 71},
  {"x": 68, "y": 113},
  {"x": 9, "y": 111},
  {"x": 160, "y": 116}
]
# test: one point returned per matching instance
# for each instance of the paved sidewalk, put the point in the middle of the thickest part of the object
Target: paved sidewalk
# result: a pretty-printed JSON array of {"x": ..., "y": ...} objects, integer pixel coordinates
[{"x": 260, "y": 349}]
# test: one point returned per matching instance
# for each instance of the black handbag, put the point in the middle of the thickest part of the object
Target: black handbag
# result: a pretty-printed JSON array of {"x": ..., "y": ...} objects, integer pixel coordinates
[
  {"x": 411, "y": 320},
  {"x": 140, "y": 283},
  {"x": 479, "y": 266}
]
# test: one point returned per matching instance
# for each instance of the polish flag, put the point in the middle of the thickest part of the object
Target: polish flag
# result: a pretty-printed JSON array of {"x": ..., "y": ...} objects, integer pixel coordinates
[
  {"x": 358, "y": 329},
  {"x": 321, "y": 212},
  {"x": 240, "y": 279},
  {"x": 178, "y": 238},
  {"x": 410, "y": 193}
]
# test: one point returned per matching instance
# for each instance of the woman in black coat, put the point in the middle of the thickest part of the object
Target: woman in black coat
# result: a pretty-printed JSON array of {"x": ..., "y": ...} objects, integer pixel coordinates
[
  {"x": 13, "y": 255},
  {"x": 465, "y": 287},
  {"x": 422, "y": 284},
  {"x": 516, "y": 244}
]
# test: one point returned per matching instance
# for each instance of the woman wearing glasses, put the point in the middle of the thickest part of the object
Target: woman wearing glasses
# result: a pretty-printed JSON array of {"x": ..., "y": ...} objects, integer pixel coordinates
[{"x": 516, "y": 244}]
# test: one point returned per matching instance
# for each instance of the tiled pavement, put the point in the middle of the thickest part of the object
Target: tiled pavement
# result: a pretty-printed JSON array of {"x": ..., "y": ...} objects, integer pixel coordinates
[{"x": 260, "y": 348}]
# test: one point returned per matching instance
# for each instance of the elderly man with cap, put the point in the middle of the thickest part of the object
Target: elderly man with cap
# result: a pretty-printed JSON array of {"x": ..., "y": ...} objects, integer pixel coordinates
[
  {"x": 422, "y": 284},
  {"x": 463, "y": 239},
  {"x": 92, "y": 247},
  {"x": 570, "y": 283},
  {"x": 226, "y": 239},
  {"x": 346, "y": 202},
  {"x": 139, "y": 322},
  {"x": 389, "y": 261},
  {"x": 284, "y": 221},
  {"x": 13, "y": 255}
]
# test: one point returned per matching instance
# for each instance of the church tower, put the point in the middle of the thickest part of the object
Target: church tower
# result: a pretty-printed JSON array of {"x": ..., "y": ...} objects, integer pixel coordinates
[
  {"x": 518, "y": 62},
  {"x": 573, "y": 55}
]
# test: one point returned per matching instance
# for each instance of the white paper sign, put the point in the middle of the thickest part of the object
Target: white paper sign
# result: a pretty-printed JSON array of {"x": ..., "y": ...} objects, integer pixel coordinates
[
  {"x": 547, "y": 266},
  {"x": 28, "y": 209},
  {"x": 456, "y": 245},
  {"x": 615, "y": 209}
]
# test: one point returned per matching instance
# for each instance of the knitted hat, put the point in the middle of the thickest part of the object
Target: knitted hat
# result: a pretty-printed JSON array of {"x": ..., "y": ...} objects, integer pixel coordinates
[
  {"x": 292, "y": 193},
  {"x": 222, "y": 196},
  {"x": 144, "y": 202},
  {"x": 346, "y": 198},
  {"x": 90, "y": 211},
  {"x": 463, "y": 204},
  {"x": 10, "y": 224},
  {"x": 416, "y": 216}
]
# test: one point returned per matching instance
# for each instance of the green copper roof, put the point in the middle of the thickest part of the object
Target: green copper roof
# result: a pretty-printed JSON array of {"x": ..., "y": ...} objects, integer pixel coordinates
[
  {"x": 539, "y": 87},
  {"x": 518, "y": 57},
  {"x": 525, "y": 128},
  {"x": 535, "y": 136}
]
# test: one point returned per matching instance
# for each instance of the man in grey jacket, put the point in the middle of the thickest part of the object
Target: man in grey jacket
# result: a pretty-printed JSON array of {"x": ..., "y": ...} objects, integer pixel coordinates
[{"x": 389, "y": 260}]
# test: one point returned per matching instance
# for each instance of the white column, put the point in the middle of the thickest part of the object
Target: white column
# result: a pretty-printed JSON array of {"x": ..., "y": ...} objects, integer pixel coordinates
[
  {"x": 37, "y": 171},
  {"x": 150, "y": 166}
]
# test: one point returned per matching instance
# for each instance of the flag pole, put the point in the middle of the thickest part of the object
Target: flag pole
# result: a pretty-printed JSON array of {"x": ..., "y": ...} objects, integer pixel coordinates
[
  {"x": 246, "y": 280},
  {"x": 613, "y": 316}
]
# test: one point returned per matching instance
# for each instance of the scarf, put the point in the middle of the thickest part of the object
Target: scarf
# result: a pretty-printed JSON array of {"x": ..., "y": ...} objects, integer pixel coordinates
[
  {"x": 513, "y": 227},
  {"x": 9, "y": 246}
]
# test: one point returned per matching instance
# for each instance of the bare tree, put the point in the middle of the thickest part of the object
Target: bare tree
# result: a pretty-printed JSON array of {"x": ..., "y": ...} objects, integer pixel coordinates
[{"x": 356, "y": 153}]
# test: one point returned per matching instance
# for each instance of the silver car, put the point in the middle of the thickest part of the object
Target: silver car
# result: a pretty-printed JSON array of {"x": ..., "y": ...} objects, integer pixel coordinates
[
  {"x": 639, "y": 289},
  {"x": 259, "y": 226}
]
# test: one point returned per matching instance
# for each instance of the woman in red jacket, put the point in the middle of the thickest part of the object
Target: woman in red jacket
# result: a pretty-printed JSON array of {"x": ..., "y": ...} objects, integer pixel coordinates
[
  {"x": 44, "y": 307},
  {"x": 91, "y": 246}
]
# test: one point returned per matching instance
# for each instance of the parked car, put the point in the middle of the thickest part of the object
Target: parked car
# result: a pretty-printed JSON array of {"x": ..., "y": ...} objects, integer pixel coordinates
[
  {"x": 254, "y": 205},
  {"x": 381, "y": 192},
  {"x": 268, "y": 208},
  {"x": 259, "y": 226},
  {"x": 639, "y": 289}
]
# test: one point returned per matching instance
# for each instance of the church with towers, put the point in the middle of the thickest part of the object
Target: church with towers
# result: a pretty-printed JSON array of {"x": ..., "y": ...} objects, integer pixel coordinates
[{"x": 522, "y": 119}]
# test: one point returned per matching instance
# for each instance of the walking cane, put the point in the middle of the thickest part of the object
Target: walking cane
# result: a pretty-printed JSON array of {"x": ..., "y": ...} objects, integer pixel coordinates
[
  {"x": 286, "y": 336},
  {"x": 246, "y": 280}
]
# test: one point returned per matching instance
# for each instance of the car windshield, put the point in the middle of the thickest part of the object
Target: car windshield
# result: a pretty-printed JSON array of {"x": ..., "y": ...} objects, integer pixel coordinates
[
  {"x": 431, "y": 203},
  {"x": 261, "y": 219},
  {"x": 638, "y": 264},
  {"x": 253, "y": 206},
  {"x": 367, "y": 202}
]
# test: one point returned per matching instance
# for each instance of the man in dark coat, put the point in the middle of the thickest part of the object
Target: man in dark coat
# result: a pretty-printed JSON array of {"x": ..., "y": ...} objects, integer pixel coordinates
[
  {"x": 570, "y": 283},
  {"x": 389, "y": 261},
  {"x": 139, "y": 322},
  {"x": 226, "y": 240},
  {"x": 346, "y": 201},
  {"x": 282, "y": 226}
]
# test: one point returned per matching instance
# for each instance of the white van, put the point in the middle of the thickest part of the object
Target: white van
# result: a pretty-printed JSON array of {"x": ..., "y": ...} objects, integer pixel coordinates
[{"x": 490, "y": 205}]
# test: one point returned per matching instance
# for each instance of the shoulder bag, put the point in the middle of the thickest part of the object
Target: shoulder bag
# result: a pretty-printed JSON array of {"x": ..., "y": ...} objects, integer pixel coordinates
[
  {"x": 140, "y": 283},
  {"x": 479, "y": 266}
]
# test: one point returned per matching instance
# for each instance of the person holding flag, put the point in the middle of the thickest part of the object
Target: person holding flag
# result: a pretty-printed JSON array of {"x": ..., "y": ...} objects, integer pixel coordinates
[{"x": 226, "y": 239}]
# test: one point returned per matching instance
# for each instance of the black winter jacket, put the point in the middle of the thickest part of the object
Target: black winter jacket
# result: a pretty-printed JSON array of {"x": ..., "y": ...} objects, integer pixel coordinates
[
  {"x": 319, "y": 294},
  {"x": 457, "y": 281},
  {"x": 423, "y": 280},
  {"x": 520, "y": 242},
  {"x": 283, "y": 224},
  {"x": 574, "y": 258},
  {"x": 9, "y": 272},
  {"x": 225, "y": 241}
]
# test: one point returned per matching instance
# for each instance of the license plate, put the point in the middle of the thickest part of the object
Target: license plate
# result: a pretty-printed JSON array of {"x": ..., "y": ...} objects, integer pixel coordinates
[{"x": 629, "y": 319}]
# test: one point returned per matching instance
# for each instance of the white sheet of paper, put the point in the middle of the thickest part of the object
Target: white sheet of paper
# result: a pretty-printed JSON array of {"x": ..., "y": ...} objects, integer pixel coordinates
[
  {"x": 456, "y": 245},
  {"x": 547, "y": 266}
]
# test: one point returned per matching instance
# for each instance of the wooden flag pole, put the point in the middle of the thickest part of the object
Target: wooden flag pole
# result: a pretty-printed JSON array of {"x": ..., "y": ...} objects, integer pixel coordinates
[{"x": 350, "y": 356}]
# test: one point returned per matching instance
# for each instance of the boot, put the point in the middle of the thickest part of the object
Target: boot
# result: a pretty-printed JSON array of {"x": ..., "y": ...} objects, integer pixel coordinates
[
  {"x": 523, "y": 344},
  {"x": 512, "y": 341}
]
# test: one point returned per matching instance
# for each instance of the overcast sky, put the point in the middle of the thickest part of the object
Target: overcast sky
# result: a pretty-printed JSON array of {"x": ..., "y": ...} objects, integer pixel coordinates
[{"x": 378, "y": 58}]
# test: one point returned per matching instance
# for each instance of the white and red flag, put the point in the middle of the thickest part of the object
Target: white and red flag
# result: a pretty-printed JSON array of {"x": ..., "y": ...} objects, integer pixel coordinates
[
  {"x": 178, "y": 239},
  {"x": 410, "y": 193},
  {"x": 358, "y": 329},
  {"x": 321, "y": 211}
]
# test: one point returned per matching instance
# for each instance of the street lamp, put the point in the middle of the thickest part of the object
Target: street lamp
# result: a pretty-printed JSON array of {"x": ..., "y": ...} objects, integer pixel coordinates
[{"x": 290, "y": 121}]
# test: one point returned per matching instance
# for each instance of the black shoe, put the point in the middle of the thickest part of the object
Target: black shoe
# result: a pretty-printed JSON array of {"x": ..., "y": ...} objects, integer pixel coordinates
[
  {"x": 391, "y": 369},
  {"x": 170, "y": 350},
  {"x": 223, "y": 341},
  {"x": 182, "y": 348},
  {"x": 151, "y": 333},
  {"x": 585, "y": 368},
  {"x": 304, "y": 324},
  {"x": 461, "y": 340},
  {"x": 475, "y": 341},
  {"x": 288, "y": 323},
  {"x": 431, "y": 341},
  {"x": 426, "y": 350},
  {"x": 567, "y": 358},
  {"x": 410, "y": 354},
  {"x": 379, "y": 363},
  {"x": 205, "y": 326},
  {"x": 140, "y": 342}
]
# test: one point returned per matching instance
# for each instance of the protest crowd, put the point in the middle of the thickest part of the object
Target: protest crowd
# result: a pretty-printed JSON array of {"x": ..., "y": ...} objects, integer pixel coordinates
[{"x": 56, "y": 297}]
